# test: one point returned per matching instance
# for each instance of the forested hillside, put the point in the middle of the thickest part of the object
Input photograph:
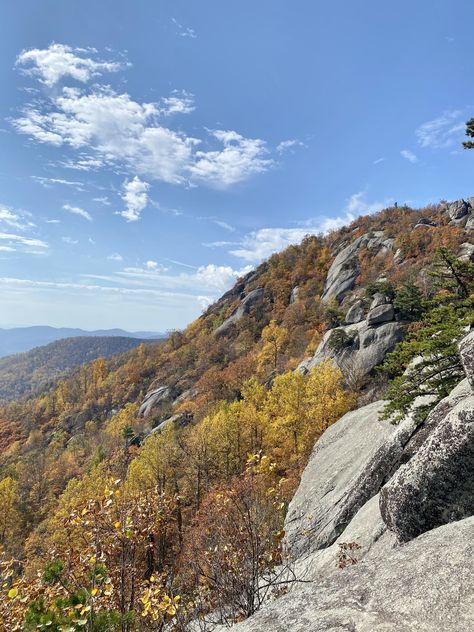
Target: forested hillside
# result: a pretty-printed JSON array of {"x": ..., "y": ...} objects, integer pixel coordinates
[
  {"x": 151, "y": 489},
  {"x": 38, "y": 370}
]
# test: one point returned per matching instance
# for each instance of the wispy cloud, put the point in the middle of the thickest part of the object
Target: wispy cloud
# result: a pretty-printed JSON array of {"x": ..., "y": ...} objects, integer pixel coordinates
[
  {"x": 260, "y": 244},
  {"x": 184, "y": 31},
  {"x": 135, "y": 196},
  {"x": 51, "y": 64},
  {"x": 70, "y": 241},
  {"x": 48, "y": 183},
  {"x": 77, "y": 210},
  {"x": 378, "y": 161},
  {"x": 409, "y": 155},
  {"x": 179, "y": 103},
  {"x": 115, "y": 257},
  {"x": 289, "y": 144},
  {"x": 443, "y": 131}
]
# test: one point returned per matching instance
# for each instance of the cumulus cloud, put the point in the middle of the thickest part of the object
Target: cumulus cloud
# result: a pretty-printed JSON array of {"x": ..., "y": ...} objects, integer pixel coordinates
[
  {"x": 135, "y": 196},
  {"x": 109, "y": 129},
  {"x": 51, "y": 64},
  {"x": 219, "y": 277},
  {"x": 443, "y": 131},
  {"x": 240, "y": 159},
  {"x": 77, "y": 210},
  {"x": 409, "y": 155}
]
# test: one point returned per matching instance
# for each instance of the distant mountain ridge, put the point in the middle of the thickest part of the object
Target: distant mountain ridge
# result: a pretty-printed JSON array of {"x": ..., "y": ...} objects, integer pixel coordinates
[
  {"x": 20, "y": 339},
  {"x": 38, "y": 369}
]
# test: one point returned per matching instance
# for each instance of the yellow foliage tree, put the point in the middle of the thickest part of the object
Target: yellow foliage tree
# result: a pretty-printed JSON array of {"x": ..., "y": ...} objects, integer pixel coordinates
[{"x": 274, "y": 340}]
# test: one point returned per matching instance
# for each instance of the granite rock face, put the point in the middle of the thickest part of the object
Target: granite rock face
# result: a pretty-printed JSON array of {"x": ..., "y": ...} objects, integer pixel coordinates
[
  {"x": 426, "y": 585},
  {"x": 458, "y": 209},
  {"x": 253, "y": 299},
  {"x": 343, "y": 272},
  {"x": 154, "y": 398},
  {"x": 466, "y": 349},
  {"x": 436, "y": 485},
  {"x": 367, "y": 345},
  {"x": 348, "y": 466}
]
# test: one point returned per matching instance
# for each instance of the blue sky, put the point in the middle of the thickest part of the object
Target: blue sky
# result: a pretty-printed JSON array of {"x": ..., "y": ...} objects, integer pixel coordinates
[{"x": 151, "y": 152}]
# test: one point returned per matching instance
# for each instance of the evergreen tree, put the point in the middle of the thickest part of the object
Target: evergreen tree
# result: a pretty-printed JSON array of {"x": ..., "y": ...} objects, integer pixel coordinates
[{"x": 427, "y": 363}]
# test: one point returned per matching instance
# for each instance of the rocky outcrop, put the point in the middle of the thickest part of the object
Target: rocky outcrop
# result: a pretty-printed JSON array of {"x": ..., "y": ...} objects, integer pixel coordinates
[
  {"x": 253, "y": 299},
  {"x": 343, "y": 272},
  {"x": 458, "y": 209},
  {"x": 347, "y": 468},
  {"x": 436, "y": 486},
  {"x": 366, "y": 345},
  {"x": 466, "y": 349},
  {"x": 153, "y": 398},
  {"x": 426, "y": 585},
  {"x": 294, "y": 295}
]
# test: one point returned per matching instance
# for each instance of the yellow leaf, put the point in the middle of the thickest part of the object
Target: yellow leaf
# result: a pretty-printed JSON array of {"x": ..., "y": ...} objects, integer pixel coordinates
[
  {"x": 12, "y": 593},
  {"x": 117, "y": 524},
  {"x": 94, "y": 591}
]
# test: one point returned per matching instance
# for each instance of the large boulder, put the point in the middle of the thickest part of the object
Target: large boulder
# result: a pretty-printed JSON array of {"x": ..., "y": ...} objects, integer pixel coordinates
[
  {"x": 426, "y": 585},
  {"x": 381, "y": 314},
  {"x": 436, "y": 486},
  {"x": 366, "y": 346},
  {"x": 253, "y": 299},
  {"x": 344, "y": 270},
  {"x": 355, "y": 313},
  {"x": 349, "y": 464},
  {"x": 458, "y": 209}
]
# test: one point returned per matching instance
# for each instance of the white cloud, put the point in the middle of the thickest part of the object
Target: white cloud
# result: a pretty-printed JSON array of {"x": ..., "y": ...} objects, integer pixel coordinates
[
  {"x": 135, "y": 197},
  {"x": 443, "y": 131},
  {"x": 53, "y": 221},
  {"x": 180, "y": 103},
  {"x": 102, "y": 200},
  {"x": 57, "y": 61},
  {"x": 77, "y": 210},
  {"x": 14, "y": 220},
  {"x": 108, "y": 129},
  {"x": 262, "y": 243},
  {"x": 409, "y": 155},
  {"x": 224, "y": 225},
  {"x": 47, "y": 183},
  {"x": 115, "y": 257},
  {"x": 70, "y": 241},
  {"x": 219, "y": 277},
  {"x": 23, "y": 241},
  {"x": 240, "y": 159},
  {"x": 291, "y": 143},
  {"x": 378, "y": 161}
]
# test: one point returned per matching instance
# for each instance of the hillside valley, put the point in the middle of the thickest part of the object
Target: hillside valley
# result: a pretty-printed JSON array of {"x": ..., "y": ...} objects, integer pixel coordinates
[
  {"x": 299, "y": 457},
  {"x": 39, "y": 369},
  {"x": 20, "y": 339}
]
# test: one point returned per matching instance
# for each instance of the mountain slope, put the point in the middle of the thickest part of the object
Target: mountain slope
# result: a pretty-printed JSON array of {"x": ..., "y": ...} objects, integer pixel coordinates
[
  {"x": 20, "y": 339},
  {"x": 216, "y": 418},
  {"x": 36, "y": 370}
]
